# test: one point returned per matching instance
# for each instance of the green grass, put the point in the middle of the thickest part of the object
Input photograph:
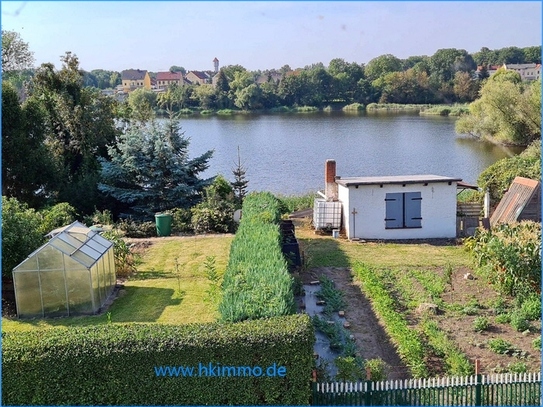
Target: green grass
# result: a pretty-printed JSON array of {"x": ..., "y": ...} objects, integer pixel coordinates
[{"x": 156, "y": 293}]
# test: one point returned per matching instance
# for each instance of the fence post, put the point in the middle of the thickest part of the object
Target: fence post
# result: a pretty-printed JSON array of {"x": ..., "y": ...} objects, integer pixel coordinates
[
  {"x": 368, "y": 392},
  {"x": 478, "y": 384}
]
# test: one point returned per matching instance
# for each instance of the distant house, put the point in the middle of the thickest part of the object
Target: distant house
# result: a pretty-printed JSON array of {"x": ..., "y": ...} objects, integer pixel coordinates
[
  {"x": 272, "y": 77},
  {"x": 527, "y": 72},
  {"x": 394, "y": 207},
  {"x": 198, "y": 77},
  {"x": 133, "y": 79},
  {"x": 166, "y": 79}
]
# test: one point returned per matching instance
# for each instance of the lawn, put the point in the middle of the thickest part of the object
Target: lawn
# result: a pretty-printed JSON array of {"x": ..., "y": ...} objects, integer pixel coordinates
[{"x": 160, "y": 291}]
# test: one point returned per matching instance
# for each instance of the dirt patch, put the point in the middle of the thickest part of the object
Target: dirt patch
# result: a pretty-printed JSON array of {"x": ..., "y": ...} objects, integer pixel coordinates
[{"x": 370, "y": 336}]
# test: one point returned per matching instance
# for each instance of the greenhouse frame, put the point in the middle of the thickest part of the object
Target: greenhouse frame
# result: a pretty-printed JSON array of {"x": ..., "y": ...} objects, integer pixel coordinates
[{"x": 72, "y": 274}]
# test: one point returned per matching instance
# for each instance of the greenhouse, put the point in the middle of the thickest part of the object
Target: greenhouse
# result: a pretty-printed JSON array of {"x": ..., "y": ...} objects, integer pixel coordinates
[{"x": 72, "y": 274}]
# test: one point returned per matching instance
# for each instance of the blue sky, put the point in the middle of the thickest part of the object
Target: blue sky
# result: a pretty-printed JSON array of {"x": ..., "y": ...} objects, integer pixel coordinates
[{"x": 155, "y": 35}]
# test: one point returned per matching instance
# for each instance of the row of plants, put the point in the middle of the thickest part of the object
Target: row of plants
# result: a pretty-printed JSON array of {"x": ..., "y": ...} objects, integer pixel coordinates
[
  {"x": 256, "y": 282},
  {"x": 408, "y": 342},
  {"x": 116, "y": 364}
]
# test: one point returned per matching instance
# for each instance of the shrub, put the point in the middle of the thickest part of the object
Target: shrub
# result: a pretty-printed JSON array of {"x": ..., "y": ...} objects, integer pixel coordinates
[
  {"x": 353, "y": 107},
  {"x": 536, "y": 343},
  {"x": 480, "y": 324},
  {"x": 116, "y": 364},
  {"x": 500, "y": 346},
  {"x": 509, "y": 256},
  {"x": 181, "y": 220},
  {"x": 517, "y": 367},
  {"x": 519, "y": 321},
  {"x": 378, "y": 369},
  {"x": 216, "y": 213},
  {"x": 531, "y": 308},
  {"x": 349, "y": 369},
  {"x": 125, "y": 260},
  {"x": 132, "y": 228},
  {"x": 99, "y": 218},
  {"x": 503, "y": 318},
  {"x": 256, "y": 282},
  {"x": 21, "y": 233},
  {"x": 61, "y": 214},
  {"x": 293, "y": 203}
]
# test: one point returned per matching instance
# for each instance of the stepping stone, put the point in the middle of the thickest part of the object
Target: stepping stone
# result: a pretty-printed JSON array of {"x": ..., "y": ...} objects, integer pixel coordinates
[
  {"x": 346, "y": 324},
  {"x": 341, "y": 313}
]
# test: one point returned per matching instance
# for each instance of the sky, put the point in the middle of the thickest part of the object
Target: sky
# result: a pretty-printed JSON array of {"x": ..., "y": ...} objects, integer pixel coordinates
[{"x": 259, "y": 35}]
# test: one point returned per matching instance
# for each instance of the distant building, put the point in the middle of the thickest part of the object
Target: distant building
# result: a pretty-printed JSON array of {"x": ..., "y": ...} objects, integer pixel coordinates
[
  {"x": 198, "y": 77},
  {"x": 527, "y": 72},
  {"x": 133, "y": 79},
  {"x": 216, "y": 65},
  {"x": 166, "y": 79}
]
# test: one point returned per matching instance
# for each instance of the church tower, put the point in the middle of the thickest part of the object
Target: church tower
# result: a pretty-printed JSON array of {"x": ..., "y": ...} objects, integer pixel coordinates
[{"x": 216, "y": 65}]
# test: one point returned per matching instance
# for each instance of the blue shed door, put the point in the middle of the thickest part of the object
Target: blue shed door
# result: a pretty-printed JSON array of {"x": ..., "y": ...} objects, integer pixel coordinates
[
  {"x": 412, "y": 214},
  {"x": 394, "y": 210}
]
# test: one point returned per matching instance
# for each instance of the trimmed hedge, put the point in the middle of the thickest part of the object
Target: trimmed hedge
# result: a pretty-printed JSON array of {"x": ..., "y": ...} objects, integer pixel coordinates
[
  {"x": 256, "y": 282},
  {"x": 115, "y": 364}
]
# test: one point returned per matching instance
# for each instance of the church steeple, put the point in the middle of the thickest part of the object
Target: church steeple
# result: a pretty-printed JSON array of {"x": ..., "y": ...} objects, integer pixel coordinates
[{"x": 216, "y": 64}]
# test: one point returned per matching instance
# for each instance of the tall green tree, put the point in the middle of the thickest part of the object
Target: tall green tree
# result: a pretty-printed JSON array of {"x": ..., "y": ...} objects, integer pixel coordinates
[
  {"x": 142, "y": 104},
  {"x": 508, "y": 111},
  {"x": 149, "y": 170},
  {"x": 16, "y": 54},
  {"x": 381, "y": 66},
  {"x": 28, "y": 171},
  {"x": 79, "y": 124}
]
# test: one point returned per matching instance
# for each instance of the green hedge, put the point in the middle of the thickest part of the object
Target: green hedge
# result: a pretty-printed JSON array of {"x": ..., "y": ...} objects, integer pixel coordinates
[
  {"x": 115, "y": 364},
  {"x": 256, "y": 282}
]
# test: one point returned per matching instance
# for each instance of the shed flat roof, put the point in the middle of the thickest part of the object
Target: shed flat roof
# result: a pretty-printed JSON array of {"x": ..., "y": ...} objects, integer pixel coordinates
[{"x": 394, "y": 179}]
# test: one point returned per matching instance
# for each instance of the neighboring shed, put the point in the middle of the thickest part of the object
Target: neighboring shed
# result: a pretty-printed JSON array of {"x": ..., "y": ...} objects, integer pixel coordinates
[
  {"x": 522, "y": 201},
  {"x": 73, "y": 273}
]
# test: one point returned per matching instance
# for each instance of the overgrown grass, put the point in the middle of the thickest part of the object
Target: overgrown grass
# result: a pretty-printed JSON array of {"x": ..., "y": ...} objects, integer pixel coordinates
[
  {"x": 444, "y": 110},
  {"x": 293, "y": 203},
  {"x": 353, "y": 107},
  {"x": 225, "y": 112},
  {"x": 373, "y": 107},
  {"x": 156, "y": 293},
  {"x": 306, "y": 109}
]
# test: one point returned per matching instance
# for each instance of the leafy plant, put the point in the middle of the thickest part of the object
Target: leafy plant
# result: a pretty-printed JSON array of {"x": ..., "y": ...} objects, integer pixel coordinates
[
  {"x": 125, "y": 259},
  {"x": 503, "y": 318},
  {"x": 332, "y": 296},
  {"x": 536, "y": 343},
  {"x": 214, "y": 278},
  {"x": 517, "y": 367},
  {"x": 378, "y": 369},
  {"x": 531, "y": 308},
  {"x": 480, "y": 324},
  {"x": 137, "y": 229},
  {"x": 500, "y": 346},
  {"x": 349, "y": 369},
  {"x": 519, "y": 321}
]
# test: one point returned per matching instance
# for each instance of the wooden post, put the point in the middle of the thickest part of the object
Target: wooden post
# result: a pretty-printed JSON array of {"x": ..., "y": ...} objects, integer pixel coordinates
[{"x": 486, "y": 205}]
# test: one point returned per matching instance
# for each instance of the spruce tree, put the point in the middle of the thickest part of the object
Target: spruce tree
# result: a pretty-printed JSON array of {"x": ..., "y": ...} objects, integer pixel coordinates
[
  {"x": 240, "y": 182},
  {"x": 149, "y": 170}
]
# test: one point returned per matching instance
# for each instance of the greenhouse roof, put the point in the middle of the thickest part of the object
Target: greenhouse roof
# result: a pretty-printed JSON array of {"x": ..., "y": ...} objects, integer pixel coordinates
[{"x": 79, "y": 242}]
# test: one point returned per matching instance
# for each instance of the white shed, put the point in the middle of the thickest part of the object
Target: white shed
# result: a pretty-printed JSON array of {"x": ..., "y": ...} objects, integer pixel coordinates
[{"x": 398, "y": 207}]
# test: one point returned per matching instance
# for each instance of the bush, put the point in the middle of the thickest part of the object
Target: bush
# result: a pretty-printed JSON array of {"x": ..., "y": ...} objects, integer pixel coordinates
[
  {"x": 519, "y": 321},
  {"x": 21, "y": 233},
  {"x": 531, "y": 308},
  {"x": 293, "y": 203},
  {"x": 256, "y": 282},
  {"x": 61, "y": 214},
  {"x": 480, "y": 324},
  {"x": 503, "y": 318},
  {"x": 349, "y": 369},
  {"x": 136, "y": 229},
  {"x": 99, "y": 218},
  {"x": 509, "y": 256},
  {"x": 116, "y": 364},
  {"x": 378, "y": 369},
  {"x": 125, "y": 260},
  {"x": 216, "y": 213},
  {"x": 500, "y": 346},
  {"x": 181, "y": 220},
  {"x": 353, "y": 107},
  {"x": 536, "y": 343}
]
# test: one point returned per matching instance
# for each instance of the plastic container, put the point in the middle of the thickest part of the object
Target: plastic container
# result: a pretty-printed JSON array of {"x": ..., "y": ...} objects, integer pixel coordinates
[{"x": 163, "y": 223}]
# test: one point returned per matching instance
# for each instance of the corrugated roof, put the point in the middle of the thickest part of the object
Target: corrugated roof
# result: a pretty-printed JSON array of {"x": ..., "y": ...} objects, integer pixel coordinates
[
  {"x": 394, "y": 179},
  {"x": 519, "y": 194}
]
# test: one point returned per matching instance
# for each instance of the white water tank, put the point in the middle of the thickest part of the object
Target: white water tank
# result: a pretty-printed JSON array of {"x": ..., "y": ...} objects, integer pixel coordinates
[{"x": 326, "y": 214}]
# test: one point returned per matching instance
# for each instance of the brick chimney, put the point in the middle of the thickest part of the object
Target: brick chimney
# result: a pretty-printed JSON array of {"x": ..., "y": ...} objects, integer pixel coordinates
[{"x": 330, "y": 186}]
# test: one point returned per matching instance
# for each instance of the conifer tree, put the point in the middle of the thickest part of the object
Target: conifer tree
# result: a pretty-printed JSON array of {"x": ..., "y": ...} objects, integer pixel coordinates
[
  {"x": 149, "y": 170},
  {"x": 240, "y": 182}
]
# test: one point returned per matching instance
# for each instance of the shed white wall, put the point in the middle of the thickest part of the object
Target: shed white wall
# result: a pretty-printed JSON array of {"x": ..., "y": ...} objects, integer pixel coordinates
[{"x": 438, "y": 211}]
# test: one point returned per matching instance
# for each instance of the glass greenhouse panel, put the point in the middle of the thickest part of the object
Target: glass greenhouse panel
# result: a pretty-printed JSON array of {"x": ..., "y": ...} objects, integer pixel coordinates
[
  {"x": 71, "y": 263},
  {"x": 30, "y": 264},
  {"x": 101, "y": 280},
  {"x": 95, "y": 284},
  {"x": 28, "y": 294},
  {"x": 83, "y": 258},
  {"x": 79, "y": 292},
  {"x": 64, "y": 246},
  {"x": 49, "y": 258},
  {"x": 97, "y": 245},
  {"x": 53, "y": 290}
]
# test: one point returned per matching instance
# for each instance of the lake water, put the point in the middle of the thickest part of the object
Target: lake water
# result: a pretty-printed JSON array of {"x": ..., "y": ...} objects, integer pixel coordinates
[{"x": 285, "y": 153}]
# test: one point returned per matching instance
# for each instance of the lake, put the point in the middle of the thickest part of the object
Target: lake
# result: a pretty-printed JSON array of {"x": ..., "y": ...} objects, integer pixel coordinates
[{"x": 285, "y": 153}]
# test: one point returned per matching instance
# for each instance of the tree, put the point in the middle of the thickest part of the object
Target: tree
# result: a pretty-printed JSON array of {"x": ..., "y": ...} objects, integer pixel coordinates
[
  {"x": 381, "y": 66},
  {"x": 16, "y": 55},
  {"x": 465, "y": 87},
  {"x": 240, "y": 183},
  {"x": 216, "y": 213},
  {"x": 175, "y": 68},
  {"x": 446, "y": 62},
  {"x": 28, "y": 173},
  {"x": 79, "y": 122},
  {"x": 142, "y": 102},
  {"x": 205, "y": 96},
  {"x": 532, "y": 54},
  {"x": 149, "y": 170},
  {"x": 508, "y": 111},
  {"x": 511, "y": 55}
]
